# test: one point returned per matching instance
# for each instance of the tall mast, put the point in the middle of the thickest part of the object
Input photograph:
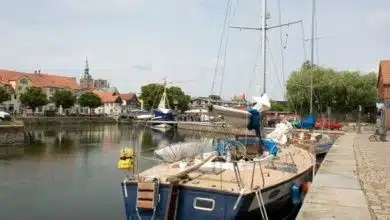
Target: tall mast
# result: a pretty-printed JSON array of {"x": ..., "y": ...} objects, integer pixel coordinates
[
  {"x": 263, "y": 43},
  {"x": 312, "y": 54},
  {"x": 264, "y": 29}
]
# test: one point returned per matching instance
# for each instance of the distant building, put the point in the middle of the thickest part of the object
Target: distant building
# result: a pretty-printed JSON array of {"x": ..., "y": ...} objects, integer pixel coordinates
[
  {"x": 129, "y": 101},
  {"x": 383, "y": 86},
  {"x": 20, "y": 82},
  {"x": 86, "y": 81},
  {"x": 101, "y": 84},
  {"x": 202, "y": 102},
  {"x": 112, "y": 103}
]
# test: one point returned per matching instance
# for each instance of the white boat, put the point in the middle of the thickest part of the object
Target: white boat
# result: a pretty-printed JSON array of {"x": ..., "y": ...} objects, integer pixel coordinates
[
  {"x": 162, "y": 113},
  {"x": 162, "y": 127},
  {"x": 239, "y": 118},
  {"x": 178, "y": 151}
]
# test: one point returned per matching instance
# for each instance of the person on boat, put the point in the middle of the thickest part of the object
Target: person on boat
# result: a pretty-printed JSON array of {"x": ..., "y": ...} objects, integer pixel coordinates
[{"x": 255, "y": 124}]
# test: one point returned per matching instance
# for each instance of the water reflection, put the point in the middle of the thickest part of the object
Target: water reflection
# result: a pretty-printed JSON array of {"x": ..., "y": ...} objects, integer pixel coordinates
[{"x": 73, "y": 167}]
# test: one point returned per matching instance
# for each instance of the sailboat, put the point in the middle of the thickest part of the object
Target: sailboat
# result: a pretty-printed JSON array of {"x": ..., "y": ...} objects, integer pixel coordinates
[
  {"x": 226, "y": 183},
  {"x": 163, "y": 114}
]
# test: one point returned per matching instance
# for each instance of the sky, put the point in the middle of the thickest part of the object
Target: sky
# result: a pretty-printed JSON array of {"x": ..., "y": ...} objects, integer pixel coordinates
[{"x": 135, "y": 42}]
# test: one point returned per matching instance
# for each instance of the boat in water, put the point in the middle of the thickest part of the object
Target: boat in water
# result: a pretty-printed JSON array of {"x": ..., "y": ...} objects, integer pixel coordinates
[
  {"x": 222, "y": 184},
  {"x": 163, "y": 115}
]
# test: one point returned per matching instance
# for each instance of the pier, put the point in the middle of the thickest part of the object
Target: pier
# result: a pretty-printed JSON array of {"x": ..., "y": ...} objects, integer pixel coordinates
[{"x": 353, "y": 181}]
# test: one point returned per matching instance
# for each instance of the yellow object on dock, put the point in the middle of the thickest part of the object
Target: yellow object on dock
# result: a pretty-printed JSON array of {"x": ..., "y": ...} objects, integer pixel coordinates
[{"x": 126, "y": 160}]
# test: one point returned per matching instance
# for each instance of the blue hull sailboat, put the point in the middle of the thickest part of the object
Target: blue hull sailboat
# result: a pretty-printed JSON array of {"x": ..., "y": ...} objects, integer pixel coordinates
[
  {"x": 216, "y": 185},
  {"x": 226, "y": 183},
  {"x": 163, "y": 114}
]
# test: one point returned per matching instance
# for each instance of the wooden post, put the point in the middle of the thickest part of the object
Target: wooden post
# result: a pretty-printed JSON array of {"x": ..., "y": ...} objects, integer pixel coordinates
[{"x": 359, "y": 120}]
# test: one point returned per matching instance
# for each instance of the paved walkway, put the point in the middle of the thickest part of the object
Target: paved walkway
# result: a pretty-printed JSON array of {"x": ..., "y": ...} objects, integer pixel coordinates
[
  {"x": 373, "y": 163},
  {"x": 336, "y": 192}
]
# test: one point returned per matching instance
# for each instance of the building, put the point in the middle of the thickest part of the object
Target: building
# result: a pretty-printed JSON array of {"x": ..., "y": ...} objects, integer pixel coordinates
[
  {"x": 86, "y": 80},
  {"x": 112, "y": 103},
  {"x": 129, "y": 101},
  {"x": 101, "y": 84},
  {"x": 202, "y": 102},
  {"x": 383, "y": 86},
  {"x": 49, "y": 83}
]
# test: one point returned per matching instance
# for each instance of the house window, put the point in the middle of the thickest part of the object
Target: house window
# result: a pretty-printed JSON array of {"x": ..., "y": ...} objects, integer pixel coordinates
[
  {"x": 204, "y": 204},
  {"x": 23, "y": 81}
]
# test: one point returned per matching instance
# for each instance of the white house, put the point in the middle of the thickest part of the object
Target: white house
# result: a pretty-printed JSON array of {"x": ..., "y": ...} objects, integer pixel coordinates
[{"x": 112, "y": 103}]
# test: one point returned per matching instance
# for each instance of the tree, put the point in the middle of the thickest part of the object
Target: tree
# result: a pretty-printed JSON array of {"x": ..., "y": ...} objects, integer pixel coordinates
[
  {"x": 4, "y": 95},
  {"x": 343, "y": 91},
  {"x": 276, "y": 106},
  {"x": 64, "y": 98},
  {"x": 215, "y": 97},
  {"x": 151, "y": 95},
  {"x": 33, "y": 98},
  {"x": 90, "y": 100}
]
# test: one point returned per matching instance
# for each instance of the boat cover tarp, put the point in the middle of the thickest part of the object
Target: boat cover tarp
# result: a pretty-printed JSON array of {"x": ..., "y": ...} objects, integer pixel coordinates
[
  {"x": 306, "y": 123},
  {"x": 163, "y": 115},
  {"x": 254, "y": 119}
]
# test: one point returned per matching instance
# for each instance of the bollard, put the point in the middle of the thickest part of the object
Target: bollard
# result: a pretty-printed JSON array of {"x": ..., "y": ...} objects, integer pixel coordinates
[{"x": 359, "y": 122}]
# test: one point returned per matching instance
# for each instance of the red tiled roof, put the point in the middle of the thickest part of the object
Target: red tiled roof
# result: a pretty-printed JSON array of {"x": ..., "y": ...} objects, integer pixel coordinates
[
  {"x": 128, "y": 96},
  {"x": 45, "y": 80},
  {"x": 9, "y": 75},
  {"x": 41, "y": 79},
  {"x": 107, "y": 97},
  {"x": 384, "y": 71}
]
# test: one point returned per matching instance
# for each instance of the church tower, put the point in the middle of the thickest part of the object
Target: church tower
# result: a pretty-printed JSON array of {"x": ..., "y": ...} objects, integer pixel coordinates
[{"x": 86, "y": 81}]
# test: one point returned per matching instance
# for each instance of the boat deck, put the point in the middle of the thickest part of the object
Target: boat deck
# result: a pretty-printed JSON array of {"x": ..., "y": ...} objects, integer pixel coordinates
[{"x": 221, "y": 175}]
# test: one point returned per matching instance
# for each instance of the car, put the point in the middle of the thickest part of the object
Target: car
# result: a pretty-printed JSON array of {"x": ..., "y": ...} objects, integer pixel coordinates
[
  {"x": 326, "y": 123},
  {"x": 5, "y": 116}
]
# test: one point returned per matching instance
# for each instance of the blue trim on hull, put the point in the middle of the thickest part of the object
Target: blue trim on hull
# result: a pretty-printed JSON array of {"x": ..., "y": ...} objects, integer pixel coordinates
[
  {"x": 222, "y": 209},
  {"x": 224, "y": 202}
]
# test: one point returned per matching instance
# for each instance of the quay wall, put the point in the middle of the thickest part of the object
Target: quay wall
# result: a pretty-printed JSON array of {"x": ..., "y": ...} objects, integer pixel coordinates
[
  {"x": 219, "y": 128},
  {"x": 336, "y": 192},
  {"x": 42, "y": 120},
  {"x": 12, "y": 134}
]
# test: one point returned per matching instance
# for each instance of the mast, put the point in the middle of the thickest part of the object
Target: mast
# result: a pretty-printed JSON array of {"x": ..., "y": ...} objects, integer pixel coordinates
[
  {"x": 312, "y": 54},
  {"x": 263, "y": 43}
]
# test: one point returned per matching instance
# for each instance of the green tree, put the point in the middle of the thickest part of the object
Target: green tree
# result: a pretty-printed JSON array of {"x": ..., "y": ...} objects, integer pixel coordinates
[
  {"x": 64, "y": 98},
  {"x": 4, "y": 95},
  {"x": 90, "y": 100},
  {"x": 215, "y": 97},
  {"x": 341, "y": 90},
  {"x": 152, "y": 93},
  {"x": 33, "y": 98},
  {"x": 276, "y": 106}
]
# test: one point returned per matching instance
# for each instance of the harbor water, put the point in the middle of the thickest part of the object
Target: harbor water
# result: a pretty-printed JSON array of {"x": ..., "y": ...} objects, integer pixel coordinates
[{"x": 71, "y": 172}]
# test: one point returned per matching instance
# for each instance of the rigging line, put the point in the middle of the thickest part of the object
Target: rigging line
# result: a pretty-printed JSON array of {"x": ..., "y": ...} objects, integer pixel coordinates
[
  {"x": 281, "y": 45},
  {"x": 220, "y": 45},
  {"x": 316, "y": 37},
  {"x": 303, "y": 42},
  {"x": 273, "y": 62},
  {"x": 225, "y": 48}
]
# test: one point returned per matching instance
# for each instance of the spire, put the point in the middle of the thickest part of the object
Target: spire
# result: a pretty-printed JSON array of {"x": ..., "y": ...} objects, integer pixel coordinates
[{"x": 86, "y": 70}]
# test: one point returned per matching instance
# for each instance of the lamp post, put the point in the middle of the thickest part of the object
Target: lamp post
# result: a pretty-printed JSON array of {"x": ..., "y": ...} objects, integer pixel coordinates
[{"x": 175, "y": 103}]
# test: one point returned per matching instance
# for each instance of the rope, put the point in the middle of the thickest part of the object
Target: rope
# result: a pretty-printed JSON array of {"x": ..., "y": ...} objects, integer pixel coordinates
[
  {"x": 281, "y": 44},
  {"x": 303, "y": 42},
  {"x": 220, "y": 45},
  {"x": 260, "y": 201},
  {"x": 225, "y": 49}
]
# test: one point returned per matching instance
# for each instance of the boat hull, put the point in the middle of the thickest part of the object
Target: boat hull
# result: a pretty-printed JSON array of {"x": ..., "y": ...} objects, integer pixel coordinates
[
  {"x": 162, "y": 127},
  {"x": 275, "y": 198},
  {"x": 322, "y": 148}
]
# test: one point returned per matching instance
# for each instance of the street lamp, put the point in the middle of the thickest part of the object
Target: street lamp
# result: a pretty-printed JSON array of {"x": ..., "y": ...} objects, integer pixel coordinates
[{"x": 175, "y": 102}]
